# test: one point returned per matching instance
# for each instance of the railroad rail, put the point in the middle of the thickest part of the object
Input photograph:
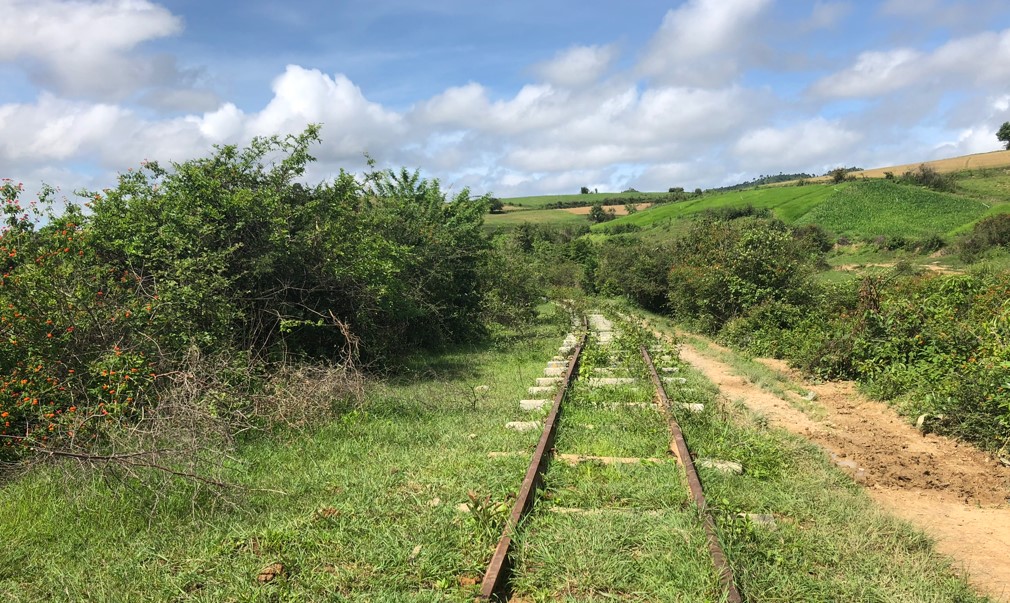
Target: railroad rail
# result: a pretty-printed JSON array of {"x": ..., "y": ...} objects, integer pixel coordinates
[
  {"x": 679, "y": 447},
  {"x": 496, "y": 582}
]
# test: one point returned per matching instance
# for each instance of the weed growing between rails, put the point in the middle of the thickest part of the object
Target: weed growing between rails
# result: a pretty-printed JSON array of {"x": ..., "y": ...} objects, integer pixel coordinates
[{"x": 614, "y": 520}]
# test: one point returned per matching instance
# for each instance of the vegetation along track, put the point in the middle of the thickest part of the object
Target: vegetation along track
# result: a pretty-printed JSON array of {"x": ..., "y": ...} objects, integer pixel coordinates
[{"x": 616, "y": 515}]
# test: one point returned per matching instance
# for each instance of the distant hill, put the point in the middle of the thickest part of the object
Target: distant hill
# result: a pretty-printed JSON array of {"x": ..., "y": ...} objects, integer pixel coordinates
[
  {"x": 762, "y": 180},
  {"x": 993, "y": 159}
]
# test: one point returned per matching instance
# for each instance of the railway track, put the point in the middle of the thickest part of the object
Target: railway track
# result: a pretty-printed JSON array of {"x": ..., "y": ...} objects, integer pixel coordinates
[{"x": 619, "y": 387}]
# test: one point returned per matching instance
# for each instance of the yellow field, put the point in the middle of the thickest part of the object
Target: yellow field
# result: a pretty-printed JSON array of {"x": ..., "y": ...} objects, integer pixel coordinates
[{"x": 993, "y": 159}]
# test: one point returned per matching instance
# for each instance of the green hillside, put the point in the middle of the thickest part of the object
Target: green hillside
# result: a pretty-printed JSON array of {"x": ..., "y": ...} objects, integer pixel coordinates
[
  {"x": 861, "y": 210},
  {"x": 787, "y": 203},
  {"x": 533, "y": 216},
  {"x": 881, "y": 208},
  {"x": 542, "y": 201}
]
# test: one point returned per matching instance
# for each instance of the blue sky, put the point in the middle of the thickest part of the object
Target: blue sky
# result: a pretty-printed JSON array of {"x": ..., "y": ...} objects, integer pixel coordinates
[{"x": 510, "y": 98}]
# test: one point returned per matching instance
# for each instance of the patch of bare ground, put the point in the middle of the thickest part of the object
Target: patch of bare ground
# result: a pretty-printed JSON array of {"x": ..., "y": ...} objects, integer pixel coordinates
[
  {"x": 932, "y": 267},
  {"x": 619, "y": 210},
  {"x": 950, "y": 490}
]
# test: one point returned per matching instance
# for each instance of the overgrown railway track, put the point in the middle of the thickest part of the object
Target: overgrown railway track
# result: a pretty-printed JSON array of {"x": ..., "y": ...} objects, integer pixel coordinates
[{"x": 497, "y": 584}]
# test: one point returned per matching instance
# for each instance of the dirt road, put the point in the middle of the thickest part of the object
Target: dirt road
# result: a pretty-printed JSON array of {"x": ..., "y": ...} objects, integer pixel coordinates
[{"x": 950, "y": 490}]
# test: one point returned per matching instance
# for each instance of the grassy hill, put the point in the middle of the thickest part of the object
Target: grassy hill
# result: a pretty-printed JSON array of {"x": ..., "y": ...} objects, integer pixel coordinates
[
  {"x": 882, "y": 208},
  {"x": 789, "y": 204},
  {"x": 861, "y": 210},
  {"x": 543, "y": 201}
]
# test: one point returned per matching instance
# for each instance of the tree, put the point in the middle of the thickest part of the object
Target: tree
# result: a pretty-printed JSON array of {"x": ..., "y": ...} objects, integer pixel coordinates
[
  {"x": 839, "y": 175},
  {"x": 497, "y": 206},
  {"x": 598, "y": 214},
  {"x": 1003, "y": 135},
  {"x": 584, "y": 190}
]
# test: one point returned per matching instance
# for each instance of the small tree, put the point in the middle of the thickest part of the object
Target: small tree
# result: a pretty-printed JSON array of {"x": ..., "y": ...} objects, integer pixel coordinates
[
  {"x": 598, "y": 214},
  {"x": 1003, "y": 135},
  {"x": 838, "y": 175},
  {"x": 584, "y": 190},
  {"x": 497, "y": 206}
]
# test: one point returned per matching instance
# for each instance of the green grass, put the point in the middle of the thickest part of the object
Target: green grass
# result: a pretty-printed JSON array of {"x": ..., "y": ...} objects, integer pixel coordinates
[
  {"x": 534, "y": 216},
  {"x": 539, "y": 202},
  {"x": 992, "y": 185},
  {"x": 874, "y": 208},
  {"x": 369, "y": 510},
  {"x": 786, "y": 202},
  {"x": 613, "y": 532},
  {"x": 829, "y": 542}
]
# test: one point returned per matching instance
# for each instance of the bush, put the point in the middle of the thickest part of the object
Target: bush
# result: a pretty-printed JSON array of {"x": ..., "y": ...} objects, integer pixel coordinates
[
  {"x": 735, "y": 212},
  {"x": 927, "y": 176},
  {"x": 987, "y": 233},
  {"x": 634, "y": 268},
  {"x": 229, "y": 257},
  {"x": 723, "y": 269},
  {"x": 597, "y": 214},
  {"x": 814, "y": 238}
]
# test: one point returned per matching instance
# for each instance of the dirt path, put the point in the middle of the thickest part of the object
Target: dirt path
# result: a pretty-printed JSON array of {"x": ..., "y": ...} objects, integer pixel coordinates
[{"x": 952, "y": 491}]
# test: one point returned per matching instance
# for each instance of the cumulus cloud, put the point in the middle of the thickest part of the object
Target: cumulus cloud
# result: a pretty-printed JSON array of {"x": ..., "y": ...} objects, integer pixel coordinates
[
  {"x": 982, "y": 58},
  {"x": 697, "y": 43},
  {"x": 798, "y": 146},
  {"x": 578, "y": 66},
  {"x": 352, "y": 123},
  {"x": 88, "y": 49},
  {"x": 535, "y": 106},
  {"x": 685, "y": 114}
]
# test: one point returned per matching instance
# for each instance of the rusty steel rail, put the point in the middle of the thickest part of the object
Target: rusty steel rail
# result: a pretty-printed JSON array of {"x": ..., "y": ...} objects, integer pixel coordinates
[
  {"x": 679, "y": 448},
  {"x": 495, "y": 583}
]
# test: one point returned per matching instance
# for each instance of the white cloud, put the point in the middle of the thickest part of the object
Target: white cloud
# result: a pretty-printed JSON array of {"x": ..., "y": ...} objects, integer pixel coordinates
[
  {"x": 825, "y": 15},
  {"x": 980, "y": 59},
  {"x": 698, "y": 43},
  {"x": 88, "y": 49},
  {"x": 578, "y": 66},
  {"x": 351, "y": 122},
  {"x": 53, "y": 129},
  {"x": 874, "y": 73},
  {"x": 797, "y": 146},
  {"x": 534, "y": 107}
]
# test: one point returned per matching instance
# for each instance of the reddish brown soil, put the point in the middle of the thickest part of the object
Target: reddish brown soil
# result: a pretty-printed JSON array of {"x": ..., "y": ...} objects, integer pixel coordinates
[{"x": 950, "y": 490}]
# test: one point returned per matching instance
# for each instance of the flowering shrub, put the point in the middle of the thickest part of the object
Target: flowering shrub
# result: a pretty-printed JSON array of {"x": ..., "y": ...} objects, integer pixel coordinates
[{"x": 72, "y": 358}]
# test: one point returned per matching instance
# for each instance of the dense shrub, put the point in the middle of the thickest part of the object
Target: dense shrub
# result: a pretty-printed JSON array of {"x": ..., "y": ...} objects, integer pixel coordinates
[
  {"x": 634, "y": 268},
  {"x": 735, "y": 212},
  {"x": 987, "y": 233},
  {"x": 245, "y": 256},
  {"x": 929, "y": 177},
  {"x": 934, "y": 342},
  {"x": 229, "y": 256},
  {"x": 79, "y": 338},
  {"x": 722, "y": 269}
]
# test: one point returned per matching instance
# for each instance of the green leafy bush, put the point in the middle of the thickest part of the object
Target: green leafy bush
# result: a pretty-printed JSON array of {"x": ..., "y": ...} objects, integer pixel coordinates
[
  {"x": 987, "y": 233},
  {"x": 634, "y": 268},
  {"x": 723, "y": 269},
  {"x": 226, "y": 257}
]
